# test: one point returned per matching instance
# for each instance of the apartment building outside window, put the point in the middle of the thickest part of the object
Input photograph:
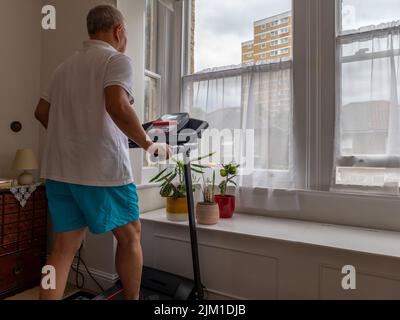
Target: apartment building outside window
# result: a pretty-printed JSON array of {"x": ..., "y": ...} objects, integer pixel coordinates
[{"x": 277, "y": 35}]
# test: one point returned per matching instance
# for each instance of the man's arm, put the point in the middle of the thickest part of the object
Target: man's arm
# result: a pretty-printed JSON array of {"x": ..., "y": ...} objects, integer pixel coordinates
[
  {"x": 42, "y": 112},
  {"x": 126, "y": 119}
]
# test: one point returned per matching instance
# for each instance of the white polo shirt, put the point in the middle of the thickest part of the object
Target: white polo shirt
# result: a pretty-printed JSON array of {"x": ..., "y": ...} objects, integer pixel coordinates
[{"x": 83, "y": 144}]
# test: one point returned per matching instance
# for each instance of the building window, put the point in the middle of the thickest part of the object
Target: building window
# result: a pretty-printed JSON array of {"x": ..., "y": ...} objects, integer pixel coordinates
[
  {"x": 284, "y": 20},
  {"x": 368, "y": 106},
  {"x": 263, "y": 45},
  {"x": 263, "y": 27},
  {"x": 284, "y": 40},
  {"x": 274, "y": 43},
  {"x": 264, "y": 36},
  {"x": 274, "y": 23},
  {"x": 263, "y": 56},
  {"x": 274, "y": 33},
  {"x": 274, "y": 53},
  {"x": 284, "y": 30}
]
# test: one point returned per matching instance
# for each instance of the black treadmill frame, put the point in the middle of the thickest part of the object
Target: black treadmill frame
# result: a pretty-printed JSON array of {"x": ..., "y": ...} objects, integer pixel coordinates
[{"x": 198, "y": 126}]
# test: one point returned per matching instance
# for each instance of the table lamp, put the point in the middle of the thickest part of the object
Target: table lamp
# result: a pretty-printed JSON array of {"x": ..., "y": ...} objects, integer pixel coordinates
[{"x": 25, "y": 160}]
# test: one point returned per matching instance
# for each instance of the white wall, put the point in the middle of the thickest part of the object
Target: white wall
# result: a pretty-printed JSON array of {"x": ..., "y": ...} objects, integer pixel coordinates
[
  {"x": 20, "y": 34},
  {"x": 243, "y": 267}
]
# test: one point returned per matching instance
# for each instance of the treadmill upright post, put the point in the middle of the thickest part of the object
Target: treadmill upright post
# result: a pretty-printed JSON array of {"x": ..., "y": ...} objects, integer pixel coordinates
[{"x": 192, "y": 224}]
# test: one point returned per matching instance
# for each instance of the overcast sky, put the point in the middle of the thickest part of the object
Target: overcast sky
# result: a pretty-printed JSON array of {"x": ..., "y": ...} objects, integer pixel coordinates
[{"x": 222, "y": 25}]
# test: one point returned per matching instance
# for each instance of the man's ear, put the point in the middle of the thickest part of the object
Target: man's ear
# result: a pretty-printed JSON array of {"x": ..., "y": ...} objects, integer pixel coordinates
[{"x": 118, "y": 31}]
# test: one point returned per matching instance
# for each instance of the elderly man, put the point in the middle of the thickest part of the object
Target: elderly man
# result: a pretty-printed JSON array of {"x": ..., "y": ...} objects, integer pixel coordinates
[{"x": 88, "y": 115}]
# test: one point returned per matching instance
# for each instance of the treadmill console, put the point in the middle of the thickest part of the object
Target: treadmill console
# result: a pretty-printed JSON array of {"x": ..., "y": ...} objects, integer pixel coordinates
[{"x": 174, "y": 129}]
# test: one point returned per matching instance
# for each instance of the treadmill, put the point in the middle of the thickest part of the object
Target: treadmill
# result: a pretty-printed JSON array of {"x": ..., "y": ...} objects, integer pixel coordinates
[{"x": 182, "y": 134}]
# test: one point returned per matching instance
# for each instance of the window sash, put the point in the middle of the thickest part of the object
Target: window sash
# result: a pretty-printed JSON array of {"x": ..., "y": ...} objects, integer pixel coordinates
[{"x": 354, "y": 161}]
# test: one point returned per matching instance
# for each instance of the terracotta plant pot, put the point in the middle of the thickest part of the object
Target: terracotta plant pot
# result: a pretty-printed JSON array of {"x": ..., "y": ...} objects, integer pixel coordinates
[
  {"x": 177, "y": 209},
  {"x": 207, "y": 213},
  {"x": 226, "y": 206}
]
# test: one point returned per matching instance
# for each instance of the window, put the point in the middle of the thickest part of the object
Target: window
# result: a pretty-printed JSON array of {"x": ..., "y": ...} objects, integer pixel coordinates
[
  {"x": 284, "y": 40},
  {"x": 274, "y": 53},
  {"x": 284, "y": 20},
  {"x": 284, "y": 30},
  {"x": 237, "y": 99},
  {"x": 160, "y": 92},
  {"x": 274, "y": 43},
  {"x": 264, "y": 36},
  {"x": 152, "y": 106},
  {"x": 263, "y": 27},
  {"x": 368, "y": 130},
  {"x": 274, "y": 33},
  {"x": 274, "y": 23}
]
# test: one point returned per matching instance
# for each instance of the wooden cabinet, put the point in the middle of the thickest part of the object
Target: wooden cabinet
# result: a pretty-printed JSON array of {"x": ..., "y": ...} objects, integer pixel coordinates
[{"x": 22, "y": 241}]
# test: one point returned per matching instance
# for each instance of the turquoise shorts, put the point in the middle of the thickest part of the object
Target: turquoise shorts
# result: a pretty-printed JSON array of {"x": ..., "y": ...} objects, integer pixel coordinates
[{"x": 101, "y": 209}]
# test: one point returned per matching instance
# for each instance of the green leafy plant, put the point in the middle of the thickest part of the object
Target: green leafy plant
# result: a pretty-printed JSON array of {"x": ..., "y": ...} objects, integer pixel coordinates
[
  {"x": 173, "y": 178},
  {"x": 228, "y": 172}
]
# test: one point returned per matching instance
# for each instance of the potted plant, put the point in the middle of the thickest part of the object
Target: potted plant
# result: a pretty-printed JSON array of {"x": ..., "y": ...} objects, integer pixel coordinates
[
  {"x": 174, "y": 190},
  {"x": 207, "y": 212},
  {"x": 226, "y": 203}
]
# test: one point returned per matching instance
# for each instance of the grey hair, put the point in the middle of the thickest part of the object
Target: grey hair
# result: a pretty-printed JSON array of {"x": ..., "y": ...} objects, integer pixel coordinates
[{"x": 103, "y": 18}]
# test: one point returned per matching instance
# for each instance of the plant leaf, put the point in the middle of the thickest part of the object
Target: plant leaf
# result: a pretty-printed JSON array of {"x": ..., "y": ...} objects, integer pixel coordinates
[
  {"x": 164, "y": 177},
  {"x": 198, "y": 166},
  {"x": 203, "y": 157},
  {"x": 158, "y": 175},
  {"x": 197, "y": 171}
]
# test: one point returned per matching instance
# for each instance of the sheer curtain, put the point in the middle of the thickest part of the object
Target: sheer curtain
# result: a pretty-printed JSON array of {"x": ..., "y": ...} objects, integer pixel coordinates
[
  {"x": 254, "y": 103},
  {"x": 368, "y": 115}
]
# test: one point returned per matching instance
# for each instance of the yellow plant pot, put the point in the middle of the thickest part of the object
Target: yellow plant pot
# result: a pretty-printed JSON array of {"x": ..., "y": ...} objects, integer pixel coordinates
[{"x": 177, "y": 209}]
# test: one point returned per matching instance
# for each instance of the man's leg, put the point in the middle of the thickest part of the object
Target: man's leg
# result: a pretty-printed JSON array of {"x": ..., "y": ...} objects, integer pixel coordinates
[
  {"x": 129, "y": 258},
  {"x": 64, "y": 249}
]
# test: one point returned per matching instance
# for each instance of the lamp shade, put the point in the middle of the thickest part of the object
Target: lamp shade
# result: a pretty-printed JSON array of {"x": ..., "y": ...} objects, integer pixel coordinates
[{"x": 25, "y": 160}]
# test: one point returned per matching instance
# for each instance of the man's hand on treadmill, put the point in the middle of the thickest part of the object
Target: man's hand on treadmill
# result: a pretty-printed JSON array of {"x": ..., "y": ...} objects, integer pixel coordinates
[{"x": 160, "y": 150}]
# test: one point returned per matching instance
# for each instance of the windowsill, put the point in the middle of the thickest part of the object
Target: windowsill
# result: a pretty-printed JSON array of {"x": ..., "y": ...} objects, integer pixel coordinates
[{"x": 361, "y": 240}]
